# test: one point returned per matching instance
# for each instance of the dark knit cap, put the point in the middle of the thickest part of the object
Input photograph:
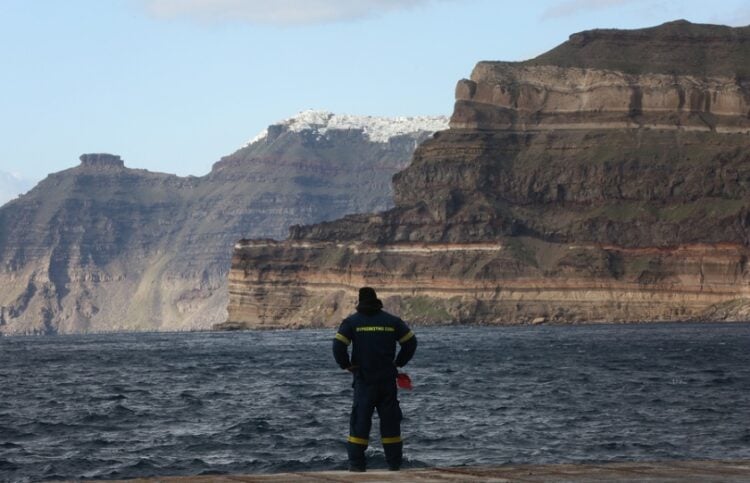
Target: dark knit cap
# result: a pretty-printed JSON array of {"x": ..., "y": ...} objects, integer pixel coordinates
[{"x": 368, "y": 300}]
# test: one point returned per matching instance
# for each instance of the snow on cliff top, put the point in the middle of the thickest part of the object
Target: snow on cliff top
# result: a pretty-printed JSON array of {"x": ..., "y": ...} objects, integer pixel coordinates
[{"x": 377, "y": 129}]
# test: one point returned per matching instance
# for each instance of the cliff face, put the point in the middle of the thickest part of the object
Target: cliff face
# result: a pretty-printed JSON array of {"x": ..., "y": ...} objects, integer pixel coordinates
[
  {"x": 103, "y": 247},
  {"x": 608, "y": 179}
]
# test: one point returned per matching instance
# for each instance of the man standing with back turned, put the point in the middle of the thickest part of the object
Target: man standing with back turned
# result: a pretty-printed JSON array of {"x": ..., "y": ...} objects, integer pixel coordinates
[{"x": 374, "y": 334}]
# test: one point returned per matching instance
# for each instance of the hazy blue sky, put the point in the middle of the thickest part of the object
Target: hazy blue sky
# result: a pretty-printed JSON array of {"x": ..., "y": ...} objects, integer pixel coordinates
[{"x": 173, "y": 85}]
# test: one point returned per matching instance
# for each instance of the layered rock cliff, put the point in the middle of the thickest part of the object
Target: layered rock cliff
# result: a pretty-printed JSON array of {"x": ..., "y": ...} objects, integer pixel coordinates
[
  {"x": 102, "y": 247},
  {"x": 606, "y": 180}
]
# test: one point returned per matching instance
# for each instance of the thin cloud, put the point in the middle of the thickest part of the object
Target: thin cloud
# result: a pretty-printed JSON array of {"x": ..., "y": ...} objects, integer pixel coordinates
[
  {"x": 574, "y": 7},
  {"x": 279, "y": 12},
  {"x": 737, "y": 18},
  {"x": 12, "y": 185}
]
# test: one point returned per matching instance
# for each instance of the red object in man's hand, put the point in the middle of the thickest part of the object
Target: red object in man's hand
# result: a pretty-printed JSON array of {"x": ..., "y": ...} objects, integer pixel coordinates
[{"x": 404, "y": 381}]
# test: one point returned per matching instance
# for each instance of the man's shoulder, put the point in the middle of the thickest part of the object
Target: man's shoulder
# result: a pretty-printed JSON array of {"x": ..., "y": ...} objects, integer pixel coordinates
[
  {"x": 381, "y": 317},
  {"x": 389, "y": 316},
  {"x": 354, "y": 318},
  {"x": 389, "y": 319}
]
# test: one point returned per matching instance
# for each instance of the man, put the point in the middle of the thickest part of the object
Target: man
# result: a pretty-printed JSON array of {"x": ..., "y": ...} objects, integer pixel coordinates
[{"x": 374, "y": 333}]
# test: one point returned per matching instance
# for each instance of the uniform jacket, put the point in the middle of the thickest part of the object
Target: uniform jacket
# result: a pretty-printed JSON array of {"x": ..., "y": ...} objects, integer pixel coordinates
[{"x": 373, "y": 334}]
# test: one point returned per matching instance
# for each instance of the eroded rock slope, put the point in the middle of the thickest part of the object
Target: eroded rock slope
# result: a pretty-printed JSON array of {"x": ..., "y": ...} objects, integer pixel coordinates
[
  {"x": 102, "y": 247},
  {"x": 606, "y": 180}
]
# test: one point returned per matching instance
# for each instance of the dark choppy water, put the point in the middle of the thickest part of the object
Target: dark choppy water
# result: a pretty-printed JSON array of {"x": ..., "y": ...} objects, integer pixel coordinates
[{"x": 116, "y": 406}]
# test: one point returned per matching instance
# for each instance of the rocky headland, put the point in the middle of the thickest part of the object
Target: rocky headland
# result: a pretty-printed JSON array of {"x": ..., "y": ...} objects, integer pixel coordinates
[
  {"x": 103, "y": 247},
  {"x": 605, "y": 180}
]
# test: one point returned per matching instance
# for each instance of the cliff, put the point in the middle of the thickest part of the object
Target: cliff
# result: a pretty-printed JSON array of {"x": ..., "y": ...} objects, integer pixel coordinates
[
  {"x": 606, "y": 180},
  {"x": 102, "y": 247}
]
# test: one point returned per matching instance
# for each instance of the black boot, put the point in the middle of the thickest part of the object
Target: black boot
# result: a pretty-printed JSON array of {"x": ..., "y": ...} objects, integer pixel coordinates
[
  {"x": 357, "y": 459},
  {"x": 393, "y": 452}
]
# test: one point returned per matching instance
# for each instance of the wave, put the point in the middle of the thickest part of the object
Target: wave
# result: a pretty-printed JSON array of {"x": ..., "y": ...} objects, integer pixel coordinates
[{"x": 530, "y": 395}]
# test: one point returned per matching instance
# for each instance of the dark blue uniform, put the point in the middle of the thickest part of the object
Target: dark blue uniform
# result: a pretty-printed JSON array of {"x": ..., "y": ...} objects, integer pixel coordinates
[{"x": 374, "y": 334}]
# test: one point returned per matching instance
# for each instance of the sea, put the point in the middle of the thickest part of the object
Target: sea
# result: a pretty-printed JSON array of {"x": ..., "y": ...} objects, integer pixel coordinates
[{"x": 156, "y": 404}]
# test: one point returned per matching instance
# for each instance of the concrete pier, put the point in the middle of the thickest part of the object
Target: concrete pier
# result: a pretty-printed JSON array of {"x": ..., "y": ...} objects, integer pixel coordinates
[{"x": 659, "y": 471}]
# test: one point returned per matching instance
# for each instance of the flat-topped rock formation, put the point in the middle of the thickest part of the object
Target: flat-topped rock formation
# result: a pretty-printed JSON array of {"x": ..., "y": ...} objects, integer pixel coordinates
[
  {"x": 101, "y": 160},
  {"x": 529, "y": 98},
  {"x": 675, "y": 76},
  {"x": 606, "y": 180},
  {"x": 675, "y": 48}
]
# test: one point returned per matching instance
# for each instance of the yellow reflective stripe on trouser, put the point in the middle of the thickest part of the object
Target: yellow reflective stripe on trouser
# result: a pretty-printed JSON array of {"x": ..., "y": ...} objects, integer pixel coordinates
[
  {"x": 343, "y": 338},
  {"x": 408, "y": 336},
  {"x": 392, "y": 440},
  {"x": 356, "y": 440}
]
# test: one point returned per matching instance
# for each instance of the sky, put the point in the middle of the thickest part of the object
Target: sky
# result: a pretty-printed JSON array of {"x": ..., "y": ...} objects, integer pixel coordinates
[{"x": 174, "y": 85}]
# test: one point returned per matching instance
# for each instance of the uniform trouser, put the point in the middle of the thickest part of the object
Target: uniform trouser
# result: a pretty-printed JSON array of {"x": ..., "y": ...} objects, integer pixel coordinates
[{"x": 368, "y": 397}]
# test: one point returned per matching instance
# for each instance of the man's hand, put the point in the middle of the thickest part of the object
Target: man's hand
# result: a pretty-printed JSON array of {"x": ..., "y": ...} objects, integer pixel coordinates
[{"x": 352, "y": 369}]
